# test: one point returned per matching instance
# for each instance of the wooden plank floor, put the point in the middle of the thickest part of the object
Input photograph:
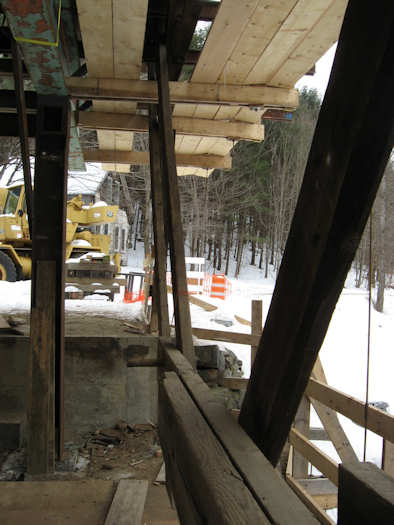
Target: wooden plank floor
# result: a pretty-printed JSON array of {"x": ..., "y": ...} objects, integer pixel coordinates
[
  {"x": 84, "y": 502},
  {"x": 55, "y": 502}
]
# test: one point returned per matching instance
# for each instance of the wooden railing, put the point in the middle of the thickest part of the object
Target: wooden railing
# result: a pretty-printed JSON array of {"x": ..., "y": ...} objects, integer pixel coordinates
[{"x": 318, "y": 392}]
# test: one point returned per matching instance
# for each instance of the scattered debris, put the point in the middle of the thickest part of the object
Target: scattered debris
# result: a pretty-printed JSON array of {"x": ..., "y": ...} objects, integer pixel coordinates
[
  {"x": 136, "y": 328},
  {"x": 223, "y": 320},
  {"x": 14, "y": 466}
]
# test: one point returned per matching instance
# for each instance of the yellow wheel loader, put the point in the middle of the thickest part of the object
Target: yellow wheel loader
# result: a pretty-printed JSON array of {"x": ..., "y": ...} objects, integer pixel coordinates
[{"x": 15, "y": 242}]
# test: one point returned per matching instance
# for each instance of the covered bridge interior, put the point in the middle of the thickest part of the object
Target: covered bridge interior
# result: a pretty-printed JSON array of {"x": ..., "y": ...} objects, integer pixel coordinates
[{"x": 124, "y": 66}]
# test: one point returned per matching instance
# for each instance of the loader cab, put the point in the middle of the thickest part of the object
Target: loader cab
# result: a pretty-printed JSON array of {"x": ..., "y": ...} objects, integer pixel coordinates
[{"x": 15, "y": 202}]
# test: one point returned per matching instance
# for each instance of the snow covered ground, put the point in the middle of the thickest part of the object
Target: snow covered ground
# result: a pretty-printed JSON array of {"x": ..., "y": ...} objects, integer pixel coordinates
[{"x": 344, "y": 352}]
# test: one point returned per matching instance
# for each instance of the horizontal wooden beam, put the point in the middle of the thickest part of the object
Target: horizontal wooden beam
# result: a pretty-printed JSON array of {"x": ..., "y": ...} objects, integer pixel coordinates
[
  {"x": 268, "y": 488},
  {"x": 228, "y": 337},
  {"x": 183, "y": 92},
  {"x": 211, "y": 483},
  {"x": 142, "y": 157},
  {"x": 365, "y": 495},
  {"x": 378, "y": 421},
  {"x": 182, "y": 125},
  {"x": 313, "y": 454},
  {"x": 235, "y": 383}
]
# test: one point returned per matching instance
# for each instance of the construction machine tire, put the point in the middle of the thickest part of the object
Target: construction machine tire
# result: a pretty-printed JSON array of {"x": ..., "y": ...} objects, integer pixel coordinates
[{"x": 7, "y": 268}]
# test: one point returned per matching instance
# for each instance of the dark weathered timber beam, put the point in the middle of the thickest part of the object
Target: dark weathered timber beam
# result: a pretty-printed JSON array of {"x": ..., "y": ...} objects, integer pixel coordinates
[
  {"x": 8, "y": 99},
  {"x": 183, "y": 325},
  {"x": 160, "y": 225},
  {"x": 341, "y": 180},
  {"x": 6, "y": 68},
  {"x": 45, "y": 411},
  {"x": 23, "y": 131},
  {"x": 9, "y": 126},
  {"x": 365, "y": 495}
]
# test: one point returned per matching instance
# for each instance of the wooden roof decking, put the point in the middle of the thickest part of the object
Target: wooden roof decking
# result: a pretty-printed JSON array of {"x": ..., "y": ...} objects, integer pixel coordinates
[
  {"x": 113, "y": 38},
  {"x": 258, "y": 42}
]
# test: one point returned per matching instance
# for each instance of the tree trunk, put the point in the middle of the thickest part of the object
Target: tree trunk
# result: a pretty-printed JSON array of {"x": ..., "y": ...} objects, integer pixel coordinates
[{"x": 241, "y": 235}]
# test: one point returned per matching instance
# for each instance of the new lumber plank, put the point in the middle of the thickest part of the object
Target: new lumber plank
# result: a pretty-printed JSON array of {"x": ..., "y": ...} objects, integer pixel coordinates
[
  {"x": 198, "y": 302},
  {"x": 330, "y": 216},
  {"x": 142, "y": 157},
  {"x": 228, "y": 337},
  {"x": 128, "y": 504},
  {"x": 319, "y": 39},
  {"x": 186, "y": 92},
  {"x": 300, "y": 464},
  {"x": 212, "y": 482},
  {"x": 330, "y": 421},
  {"x": 378, "y": 421},
  {"x": 294, "y": 29},
  {"x": 183, "y": 125},
  {"x": 231, "y": 20},
  {"x": 365, "y": 495},
  {"x": 309, "y": 501},
  {"x": 268, "y": 18},
  {"x": 318, "y": 458},
  {"x": 269, "y": 489}
]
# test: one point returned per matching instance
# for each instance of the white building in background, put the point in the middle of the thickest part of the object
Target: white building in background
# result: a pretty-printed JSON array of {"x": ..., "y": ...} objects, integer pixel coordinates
[{"x": 119, "y": 232}]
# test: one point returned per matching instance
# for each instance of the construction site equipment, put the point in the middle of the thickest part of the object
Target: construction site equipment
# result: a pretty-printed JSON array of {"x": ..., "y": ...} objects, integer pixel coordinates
[
  {"x": 15, "y": 242},
  {"x": 92, "y": 275}
]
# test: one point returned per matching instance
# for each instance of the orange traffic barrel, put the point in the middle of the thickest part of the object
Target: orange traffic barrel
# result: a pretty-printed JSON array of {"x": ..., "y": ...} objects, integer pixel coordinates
[{"x": 219, "y": 286}]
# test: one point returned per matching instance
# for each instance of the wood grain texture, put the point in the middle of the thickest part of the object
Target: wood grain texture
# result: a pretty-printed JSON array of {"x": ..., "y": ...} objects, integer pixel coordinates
[
  {"x": 269, "y": 489},
  {"x": 184, "y": 92},
  {"x": 183, "y": 125},
  {"x": 219, "y": 493},
  {"x": 183, "y": 326},
  {"x": 229, "y": 337},
  {"x": 309, "y": 501},
  {"x": 318, "y": 458},
  {"x": 257, "y": 324},
  {"x": 128, "y": 503},
  {"x": 160, "y": 229},
  {"x": 330, "y": 420},
  {"x": 41, "y": 410},
  {"x": 142, "y": 157},
  {"x": 380, "y": 422},
  {"x": 365, "y": 495}
]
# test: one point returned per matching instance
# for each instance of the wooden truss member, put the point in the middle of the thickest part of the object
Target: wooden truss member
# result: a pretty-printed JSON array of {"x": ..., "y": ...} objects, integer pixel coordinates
[
  {"x": 341, "y": 179},
  {"x": 45, "y": 409},
  {"x": 183, "y": 327}
]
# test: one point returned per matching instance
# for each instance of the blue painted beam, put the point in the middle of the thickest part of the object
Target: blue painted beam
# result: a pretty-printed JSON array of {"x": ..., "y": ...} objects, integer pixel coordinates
[{"x": 35, "y": 26}]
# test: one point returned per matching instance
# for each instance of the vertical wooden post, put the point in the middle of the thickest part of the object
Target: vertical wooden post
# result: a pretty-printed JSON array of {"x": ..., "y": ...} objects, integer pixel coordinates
[
  {"x": 388, "y": 457},
  {"x": 183, "y": 328},
  {"x": 23, "y": 129},
  {"x": 301, "y": 423},
  {"x": 160, "y": 225},
  {"x": 257, "y": 324},
  {"x": 45, "y": 411}
]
